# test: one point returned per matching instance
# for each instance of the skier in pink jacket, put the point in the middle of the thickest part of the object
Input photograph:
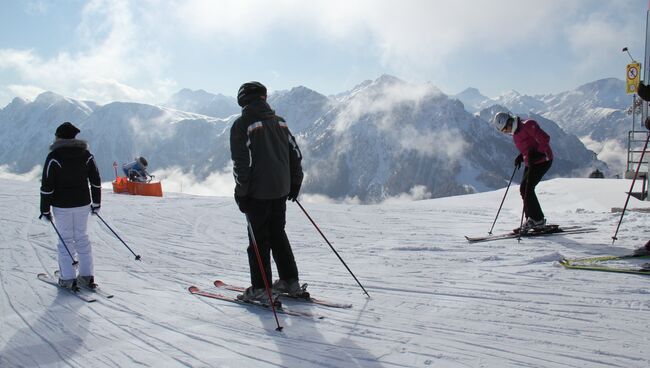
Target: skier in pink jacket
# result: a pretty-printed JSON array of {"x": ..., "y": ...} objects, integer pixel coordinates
[{"x": 537, "y": 156}]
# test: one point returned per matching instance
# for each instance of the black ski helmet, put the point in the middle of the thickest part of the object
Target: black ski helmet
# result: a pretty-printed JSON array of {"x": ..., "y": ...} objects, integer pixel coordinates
[{"x": 249, "y": 91}]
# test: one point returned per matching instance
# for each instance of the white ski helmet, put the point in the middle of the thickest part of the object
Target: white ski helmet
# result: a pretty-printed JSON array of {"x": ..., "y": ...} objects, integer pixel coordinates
[{"x": 501, "y": 119}]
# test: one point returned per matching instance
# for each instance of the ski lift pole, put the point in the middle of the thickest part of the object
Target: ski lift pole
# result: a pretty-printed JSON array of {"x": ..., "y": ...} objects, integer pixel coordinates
[
  {"x": 503, "y": 200},
  {"x": 137, "y": 256},
  {"x": 74, "y": 261},
  {"x": 636, "y": 173},
  {"x": 262, "y": 270},
  {"x": 330, "y": 244}
]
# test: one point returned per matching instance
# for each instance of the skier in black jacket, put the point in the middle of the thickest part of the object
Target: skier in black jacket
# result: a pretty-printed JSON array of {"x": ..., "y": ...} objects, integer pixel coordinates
[
  {"x": 267, "y": 172},
  {"x": 68, "y": 169}
]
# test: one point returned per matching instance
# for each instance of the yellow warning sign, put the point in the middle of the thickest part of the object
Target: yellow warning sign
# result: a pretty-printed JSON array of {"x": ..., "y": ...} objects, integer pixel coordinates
[{"x": 633, "y": 77}]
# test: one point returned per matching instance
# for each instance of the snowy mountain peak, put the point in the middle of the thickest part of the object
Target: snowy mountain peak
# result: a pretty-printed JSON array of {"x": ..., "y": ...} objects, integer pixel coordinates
[
  {"x": 387, "y": 79},
  {"x": 49, "y": 98},
  {"x": 203, "y": 102},
  {"x": 509, "y": 95},
  {"x": 472, "y": 92},
  {"x": 473, "y": 100}
]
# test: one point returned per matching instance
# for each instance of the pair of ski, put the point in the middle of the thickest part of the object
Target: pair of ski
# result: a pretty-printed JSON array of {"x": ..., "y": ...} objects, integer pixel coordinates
[
  {"x": 595, "y": 264},
  {"x": 543, "y": 231},
  {"x": 84, "y": 293},
  {"x": 278, "y": 307}
]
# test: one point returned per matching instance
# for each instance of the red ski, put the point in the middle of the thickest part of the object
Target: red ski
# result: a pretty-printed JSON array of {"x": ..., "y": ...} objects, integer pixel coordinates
[
  {"x": 306, "y": 298},
  {"x": 278, "y": 308}
]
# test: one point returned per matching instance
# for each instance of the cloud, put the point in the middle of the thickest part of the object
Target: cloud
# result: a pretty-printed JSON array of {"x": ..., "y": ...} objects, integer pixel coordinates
[
  {"x": 441, "y": 143},
  {"x": 611, "y": 151},
  {"x": 36, "y": 8},
  {"x": 598, "y": 38},
  {"x": 33, "y": 175},
  {"x": 111, "y": 63},
  {"x": 124, "y": 50},
  {"x": 25, "y": 91},
  {"x": 393, "y": 107},
  {"x": 417, "y": 193},
  {"x": 383, "y": 98},
  {"x": 220, "y": 184},
  {"x": 413, "y": 33}
]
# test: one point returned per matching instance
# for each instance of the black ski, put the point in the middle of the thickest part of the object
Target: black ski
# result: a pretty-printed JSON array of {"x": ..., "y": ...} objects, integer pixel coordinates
[
  {"x": 304, "y": 298},
  {"x": 545, "y": 231},
  {"x": 278, "y": 308},
  {"x": 76, "y": 292},
  {"x": 97, "y": 290}
]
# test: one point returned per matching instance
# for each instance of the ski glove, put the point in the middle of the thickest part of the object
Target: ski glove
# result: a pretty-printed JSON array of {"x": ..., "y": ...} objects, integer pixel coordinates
[
  {"x": 47, "y": 215},
  {"x": 94, "y": 208},
  {"x": 243, "y": 203},
  {"x": 519, "y": 160},
  {"x": 293, "y": 193}
]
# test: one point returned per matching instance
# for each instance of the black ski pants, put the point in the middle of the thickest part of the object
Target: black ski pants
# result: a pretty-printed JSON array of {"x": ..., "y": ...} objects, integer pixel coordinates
[
  {"x": 532, "y": 176},
  {"x": 268, "y": 218}
]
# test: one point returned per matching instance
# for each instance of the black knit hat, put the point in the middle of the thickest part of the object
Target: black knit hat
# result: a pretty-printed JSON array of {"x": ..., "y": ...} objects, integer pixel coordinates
[
  {"x": 66, "y": 131},
  {"x": 250, "y": 91}
]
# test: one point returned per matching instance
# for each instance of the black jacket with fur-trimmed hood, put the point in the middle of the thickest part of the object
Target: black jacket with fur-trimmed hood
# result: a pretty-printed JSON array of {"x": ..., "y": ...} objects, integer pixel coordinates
[
  {"x": 69, "y": 167},
  {"x": 266, "y": 158}
]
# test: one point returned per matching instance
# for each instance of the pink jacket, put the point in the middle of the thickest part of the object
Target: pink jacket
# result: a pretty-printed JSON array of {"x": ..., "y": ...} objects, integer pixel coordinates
[{"x": 529, "y": 136}]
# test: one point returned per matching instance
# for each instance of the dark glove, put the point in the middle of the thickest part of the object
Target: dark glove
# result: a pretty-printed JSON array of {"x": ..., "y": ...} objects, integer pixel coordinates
[
  {"x": 47, "y": 215},
  {"x": 519, "y": 160},
  {"x": 243, "y": 203},
  {"x": 293, "y": 193},
  {"x": 94, "y": 208},
  {"x": 534, "y": 156}
]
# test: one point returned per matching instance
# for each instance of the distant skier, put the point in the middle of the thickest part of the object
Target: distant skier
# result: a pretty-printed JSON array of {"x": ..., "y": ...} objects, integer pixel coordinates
[
  {"x": 136, "y": 170},
  {"x": 268, "y": 172},
  {"x": 68, "y": 169},
  {"x": 536, "y": 154}
]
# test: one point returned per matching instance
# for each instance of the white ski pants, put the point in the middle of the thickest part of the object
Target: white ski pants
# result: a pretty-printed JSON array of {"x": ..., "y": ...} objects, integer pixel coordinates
[{"x": 72, "y": 224}]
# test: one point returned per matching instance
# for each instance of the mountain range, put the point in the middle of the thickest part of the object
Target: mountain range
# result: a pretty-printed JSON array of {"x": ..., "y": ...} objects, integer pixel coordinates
[
  {"x": 599, "y": 113},
  {"x": 381, "y": 139}
]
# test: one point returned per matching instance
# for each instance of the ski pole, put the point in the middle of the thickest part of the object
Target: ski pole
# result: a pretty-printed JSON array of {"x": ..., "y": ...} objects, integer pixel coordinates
[
  {"x": 503, "y": 200},
  {"x": 614, "y": 238},
  {"x": 526, "y": 177},
  {"x": 137, "y": 256},
  {"x": 330, "y": 244},
  {"x": 74, "y": 261},
  {"x": 266, "y": 281}
]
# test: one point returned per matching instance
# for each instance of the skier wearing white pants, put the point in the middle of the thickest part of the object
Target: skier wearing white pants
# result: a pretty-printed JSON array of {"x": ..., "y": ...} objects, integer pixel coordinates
[
  {"x": 72, "y": 224},
  {"x": 68, "y": 170}
]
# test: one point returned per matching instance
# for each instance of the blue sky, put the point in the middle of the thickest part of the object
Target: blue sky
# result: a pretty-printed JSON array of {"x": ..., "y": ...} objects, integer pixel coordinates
[{"x": 106, "y": 50}]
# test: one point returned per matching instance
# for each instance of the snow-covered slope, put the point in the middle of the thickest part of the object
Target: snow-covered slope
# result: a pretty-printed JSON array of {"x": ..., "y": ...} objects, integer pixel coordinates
[{"x": 436, "y": 301}]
